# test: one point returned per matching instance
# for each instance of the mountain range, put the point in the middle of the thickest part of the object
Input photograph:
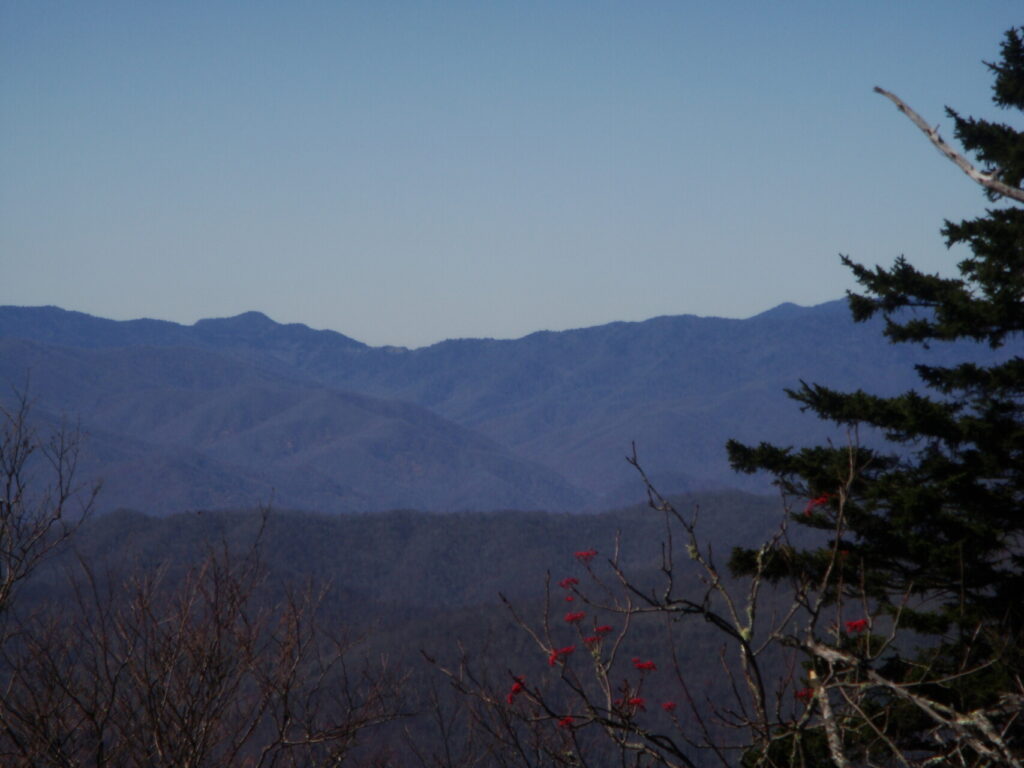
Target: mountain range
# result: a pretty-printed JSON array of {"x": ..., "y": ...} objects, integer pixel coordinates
[{"x": 238, "y": 411}]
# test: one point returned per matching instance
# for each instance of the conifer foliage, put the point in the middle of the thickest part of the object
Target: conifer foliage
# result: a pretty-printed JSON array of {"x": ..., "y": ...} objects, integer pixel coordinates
[
  {"x": 931, "y": 530},
  {"x": 895, "y": 632}
]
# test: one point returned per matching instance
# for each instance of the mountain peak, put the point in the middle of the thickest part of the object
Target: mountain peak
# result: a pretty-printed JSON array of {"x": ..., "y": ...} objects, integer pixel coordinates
[
  {"x": 256, "y": 327},
  {"x": 247, "y": 321},
  {"x": 789, "y": 309}
]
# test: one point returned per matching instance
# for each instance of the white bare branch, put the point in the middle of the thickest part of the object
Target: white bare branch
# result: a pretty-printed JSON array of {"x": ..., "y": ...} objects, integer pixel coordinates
[
  {"x": 987, "y": 180},
  {"x": 964, "y": 728}
]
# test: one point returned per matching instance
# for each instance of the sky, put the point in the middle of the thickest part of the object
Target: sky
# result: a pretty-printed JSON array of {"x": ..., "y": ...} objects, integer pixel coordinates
[{"x": 407, "y": 172}]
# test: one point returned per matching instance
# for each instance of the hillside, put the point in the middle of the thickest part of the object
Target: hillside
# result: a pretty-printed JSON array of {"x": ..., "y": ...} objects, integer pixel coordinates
[
  {"x": 230, "y": 412},
  {"x": 175, "y": 428}
]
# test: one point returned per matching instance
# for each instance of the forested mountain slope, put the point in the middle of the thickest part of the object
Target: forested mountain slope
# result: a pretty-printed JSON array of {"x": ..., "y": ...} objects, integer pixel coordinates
[
  {"x": 227, "y": 411},
  {"x": 175, "y": 428}
]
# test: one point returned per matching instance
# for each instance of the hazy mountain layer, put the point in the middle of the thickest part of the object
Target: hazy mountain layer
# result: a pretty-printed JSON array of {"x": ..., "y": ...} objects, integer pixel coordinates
[
  {"x": 177, "y": 428},
  {"x": 225, "y": 410}
]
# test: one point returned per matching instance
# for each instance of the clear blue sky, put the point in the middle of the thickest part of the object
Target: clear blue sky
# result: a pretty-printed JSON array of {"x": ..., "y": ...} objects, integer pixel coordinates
[{"x": 405, "y": 172}]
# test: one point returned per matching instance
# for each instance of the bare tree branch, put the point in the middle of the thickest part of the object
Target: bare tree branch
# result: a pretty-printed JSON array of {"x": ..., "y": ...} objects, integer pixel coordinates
[{"x": 988, "y": 180}]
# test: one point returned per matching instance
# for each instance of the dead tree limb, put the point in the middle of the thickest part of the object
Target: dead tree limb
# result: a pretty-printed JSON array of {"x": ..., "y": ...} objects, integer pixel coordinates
[{"x": 988, "y": 180}]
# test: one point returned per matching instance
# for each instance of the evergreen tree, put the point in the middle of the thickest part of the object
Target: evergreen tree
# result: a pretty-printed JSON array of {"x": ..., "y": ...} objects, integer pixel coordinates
[{"x": 931, "y": 530}]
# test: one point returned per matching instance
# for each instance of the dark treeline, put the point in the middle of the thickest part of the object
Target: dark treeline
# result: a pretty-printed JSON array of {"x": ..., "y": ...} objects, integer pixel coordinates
[
  {"x": 403, "y": 559},
  {"x": 407, "y": 592}
]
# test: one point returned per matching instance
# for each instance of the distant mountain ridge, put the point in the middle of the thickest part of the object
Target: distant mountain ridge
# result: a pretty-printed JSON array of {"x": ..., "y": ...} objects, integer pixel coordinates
[
  {"x": 326, "y": 422},
  {"x": 182, "y": 427},
  {"x": 78, "y": 329}
]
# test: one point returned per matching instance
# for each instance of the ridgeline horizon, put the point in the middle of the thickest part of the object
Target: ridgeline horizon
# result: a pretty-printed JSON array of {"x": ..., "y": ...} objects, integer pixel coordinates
[
  {"x": 231, "y": 412},
  {"x": 256, "y": 318}
]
